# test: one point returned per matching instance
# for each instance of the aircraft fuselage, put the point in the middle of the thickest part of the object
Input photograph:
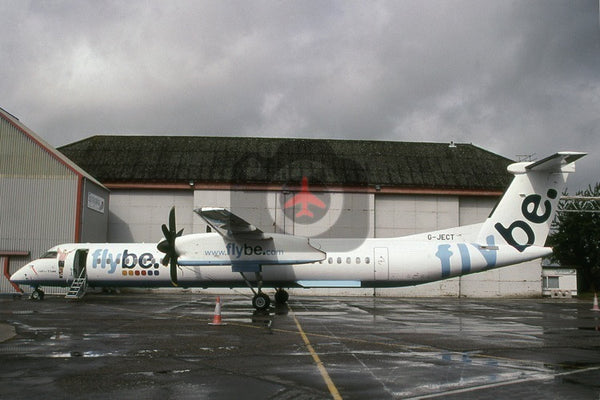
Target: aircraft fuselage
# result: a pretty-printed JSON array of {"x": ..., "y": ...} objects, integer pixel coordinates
[{"x": 341, "y": 263}]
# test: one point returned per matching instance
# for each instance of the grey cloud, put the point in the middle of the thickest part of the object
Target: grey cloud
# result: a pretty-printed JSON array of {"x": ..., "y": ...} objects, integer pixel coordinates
[{"x": 512, "y": 77}]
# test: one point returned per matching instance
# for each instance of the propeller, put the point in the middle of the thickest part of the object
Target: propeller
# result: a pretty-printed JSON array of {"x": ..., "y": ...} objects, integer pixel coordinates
[{"x": 167, "y": 245}]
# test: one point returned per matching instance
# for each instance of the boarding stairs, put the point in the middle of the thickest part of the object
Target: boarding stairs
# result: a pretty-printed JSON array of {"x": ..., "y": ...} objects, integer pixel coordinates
[{"x": 77, "y": 289}]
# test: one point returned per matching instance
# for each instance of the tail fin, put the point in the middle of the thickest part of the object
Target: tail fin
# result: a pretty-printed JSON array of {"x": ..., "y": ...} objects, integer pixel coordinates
[{"x": 523, "y": 216}]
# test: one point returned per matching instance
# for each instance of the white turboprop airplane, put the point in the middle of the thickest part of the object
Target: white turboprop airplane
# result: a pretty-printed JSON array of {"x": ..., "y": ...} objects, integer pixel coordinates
[{"x": 239, "y": 254}]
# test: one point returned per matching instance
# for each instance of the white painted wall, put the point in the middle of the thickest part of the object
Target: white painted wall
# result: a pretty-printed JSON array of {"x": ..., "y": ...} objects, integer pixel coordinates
[
  {"x": 137, "y": 215},
  {"x": 401, "y": 215}
]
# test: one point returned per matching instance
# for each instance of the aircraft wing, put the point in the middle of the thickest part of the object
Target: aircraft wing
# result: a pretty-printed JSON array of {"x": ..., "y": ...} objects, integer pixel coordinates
[{"x": 230, "y": 225}]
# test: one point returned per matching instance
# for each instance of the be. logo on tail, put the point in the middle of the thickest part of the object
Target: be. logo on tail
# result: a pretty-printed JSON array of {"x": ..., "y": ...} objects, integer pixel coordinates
[{"x": 532, "y": 210}]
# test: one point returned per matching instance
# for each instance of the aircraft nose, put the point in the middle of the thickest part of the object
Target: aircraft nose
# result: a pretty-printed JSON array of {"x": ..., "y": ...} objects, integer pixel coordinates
[{"x": 20, "y": 276}]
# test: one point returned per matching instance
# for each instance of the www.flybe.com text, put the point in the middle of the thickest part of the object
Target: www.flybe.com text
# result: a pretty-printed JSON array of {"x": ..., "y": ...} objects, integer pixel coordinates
[{"x": 235, "y": 250}]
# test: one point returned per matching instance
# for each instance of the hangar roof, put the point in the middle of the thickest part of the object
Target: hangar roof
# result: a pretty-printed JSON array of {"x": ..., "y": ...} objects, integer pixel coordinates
[{"x": 267, "y": 161}]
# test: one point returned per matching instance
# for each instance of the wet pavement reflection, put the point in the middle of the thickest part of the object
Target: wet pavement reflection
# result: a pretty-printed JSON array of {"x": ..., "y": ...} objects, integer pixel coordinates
[{"x": 147, "y": 345}]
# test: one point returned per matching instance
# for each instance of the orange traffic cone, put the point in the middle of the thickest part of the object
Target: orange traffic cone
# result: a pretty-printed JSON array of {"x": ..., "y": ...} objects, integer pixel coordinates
[
  {"x": 217, "y": 317},
  {"x": 595, "y": 307}
]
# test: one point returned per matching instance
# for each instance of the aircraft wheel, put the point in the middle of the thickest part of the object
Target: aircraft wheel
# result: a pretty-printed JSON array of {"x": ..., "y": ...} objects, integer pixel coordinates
[
  {"x": 281, "y": 296},
  {"x": 261, "y": 301},
  {"x": 37, "y": 295}
]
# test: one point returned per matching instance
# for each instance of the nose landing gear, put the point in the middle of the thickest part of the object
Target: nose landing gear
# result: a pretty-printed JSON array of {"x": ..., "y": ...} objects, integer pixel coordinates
[{"x": 37, "y": 294}]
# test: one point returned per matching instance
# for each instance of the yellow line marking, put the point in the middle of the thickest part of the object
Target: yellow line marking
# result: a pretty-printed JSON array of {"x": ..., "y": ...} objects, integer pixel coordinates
[{"x": 330, "y": 385}]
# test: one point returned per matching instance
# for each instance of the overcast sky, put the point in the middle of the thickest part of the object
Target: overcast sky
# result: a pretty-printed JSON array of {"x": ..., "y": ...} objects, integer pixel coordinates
[{"x": 513, "y": 77}]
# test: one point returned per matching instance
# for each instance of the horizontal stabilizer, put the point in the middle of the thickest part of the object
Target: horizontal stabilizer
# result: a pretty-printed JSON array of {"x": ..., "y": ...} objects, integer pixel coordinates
[{"x": 556, "y": 162}]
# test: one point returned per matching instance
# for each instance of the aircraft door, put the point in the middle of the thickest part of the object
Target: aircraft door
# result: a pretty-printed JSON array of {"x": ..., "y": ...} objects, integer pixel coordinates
[
  {"x": 79, "y": 263},
  {"x": 381, "y": 264}
]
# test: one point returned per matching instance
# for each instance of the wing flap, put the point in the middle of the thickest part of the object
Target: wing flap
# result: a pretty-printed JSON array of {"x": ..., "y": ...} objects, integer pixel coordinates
[{"x": 230, "y": 225}]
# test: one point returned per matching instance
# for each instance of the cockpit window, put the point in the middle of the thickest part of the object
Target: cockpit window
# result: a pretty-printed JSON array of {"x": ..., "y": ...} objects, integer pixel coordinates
[{"x": 50, "y": 254}]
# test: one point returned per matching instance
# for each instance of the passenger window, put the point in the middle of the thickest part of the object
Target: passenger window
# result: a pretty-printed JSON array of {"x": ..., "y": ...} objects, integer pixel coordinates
[
  {"x": 367, "y": 260},
  {"x": 339, "y": 260},
  {"x": 348, "y": 260},
  {"x": 330, "y": 260},
  {"x": 357, "y": 260}
]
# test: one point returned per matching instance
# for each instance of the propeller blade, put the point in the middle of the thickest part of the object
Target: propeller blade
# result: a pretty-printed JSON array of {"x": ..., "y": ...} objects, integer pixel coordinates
[
  {"x": 174, "y": 271},
  {"x": 166, "y": 232},
  {"x": 172, "y": 220},
  {"x": 163, "y": 246}
]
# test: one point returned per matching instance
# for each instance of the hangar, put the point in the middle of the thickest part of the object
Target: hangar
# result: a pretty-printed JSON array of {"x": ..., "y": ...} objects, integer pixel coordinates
[
  {"x": 368, "y": 189},
  {"x": 45, "y": 199}
]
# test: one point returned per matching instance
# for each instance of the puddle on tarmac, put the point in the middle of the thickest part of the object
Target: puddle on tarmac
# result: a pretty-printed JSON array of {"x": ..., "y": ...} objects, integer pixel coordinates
[
  {"x": 589, "y": 328},
  {"x": 77, "y": 354},
  {"x": 94, "y": 336},
  {"x": 163, "y": 372}
]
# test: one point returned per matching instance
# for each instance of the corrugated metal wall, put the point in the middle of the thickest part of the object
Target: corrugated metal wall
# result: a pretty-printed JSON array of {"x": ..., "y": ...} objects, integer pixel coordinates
[
  {"x": 94, "y": 213},
  {"x": 38, "y": 198}
]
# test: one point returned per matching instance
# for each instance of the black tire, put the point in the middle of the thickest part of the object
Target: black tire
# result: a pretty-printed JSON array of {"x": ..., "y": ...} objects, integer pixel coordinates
[
  {"x": 37, "y": 295},
  {"x": 281, "y": 296},
  {"x": 261, "y": 301}
]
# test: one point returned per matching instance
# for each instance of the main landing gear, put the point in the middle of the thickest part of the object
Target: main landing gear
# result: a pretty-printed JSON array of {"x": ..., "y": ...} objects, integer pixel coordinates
[
  {"x": 261, "y": 301},
  {"x": 281, "y": 296}
]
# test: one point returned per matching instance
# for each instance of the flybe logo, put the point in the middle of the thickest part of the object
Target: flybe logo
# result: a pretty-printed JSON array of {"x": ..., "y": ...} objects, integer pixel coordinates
[
  {"x": 534, "y": 211},
  {"x": 105, "y": 259}
]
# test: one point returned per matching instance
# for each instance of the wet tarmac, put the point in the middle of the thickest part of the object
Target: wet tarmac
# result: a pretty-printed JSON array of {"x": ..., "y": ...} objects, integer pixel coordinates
[{"x": 160, "y": 346}]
